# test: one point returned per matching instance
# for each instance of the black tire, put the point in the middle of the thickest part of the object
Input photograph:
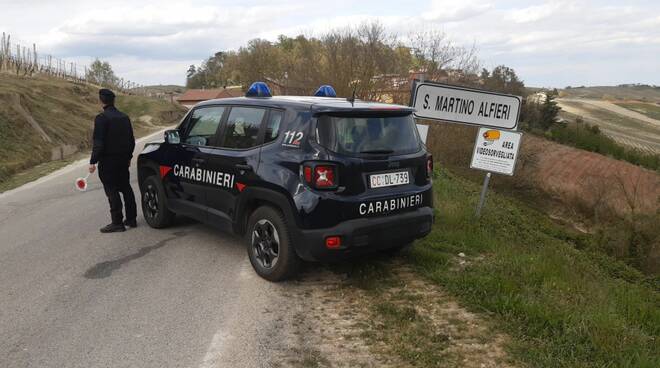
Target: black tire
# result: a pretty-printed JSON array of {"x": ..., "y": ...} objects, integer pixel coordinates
[
  {"x": 154, "y": 208},
  {"x": 269, "y": 245}
]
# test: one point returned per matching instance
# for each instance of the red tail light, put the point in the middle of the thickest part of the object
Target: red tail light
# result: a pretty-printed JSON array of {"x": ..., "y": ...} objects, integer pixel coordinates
[
  {"x": 307, "y": 173},
  {"x": 429, "y": 166},
  {"x": 324, "y": 176},
  {"x": 320, "y": 176},
  {"x": 333, "y": 242}
]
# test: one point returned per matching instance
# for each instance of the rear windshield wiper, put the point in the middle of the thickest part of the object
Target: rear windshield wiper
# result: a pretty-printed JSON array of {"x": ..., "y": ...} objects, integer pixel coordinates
[{"x": 382, "y": 151}]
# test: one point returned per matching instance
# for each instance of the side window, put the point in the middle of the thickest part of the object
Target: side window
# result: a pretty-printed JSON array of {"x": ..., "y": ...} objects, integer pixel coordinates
[
  {"x": 273, "y": 125},
  {"x": 203, "y": 124},
  {"x": 242, "y": 127}
]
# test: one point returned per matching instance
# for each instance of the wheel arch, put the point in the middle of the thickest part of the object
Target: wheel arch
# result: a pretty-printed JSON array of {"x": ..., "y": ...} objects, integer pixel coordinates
[
  {"x": 146, "y": 169},
  {"x": 253, "y": 198}
]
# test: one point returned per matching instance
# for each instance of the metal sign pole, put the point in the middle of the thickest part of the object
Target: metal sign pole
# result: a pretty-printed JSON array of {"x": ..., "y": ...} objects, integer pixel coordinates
[{"x": 482, "y": 198}]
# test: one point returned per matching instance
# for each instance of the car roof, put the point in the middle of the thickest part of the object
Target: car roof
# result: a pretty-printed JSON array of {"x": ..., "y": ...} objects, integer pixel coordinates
[{"x": 316, "y": 104}]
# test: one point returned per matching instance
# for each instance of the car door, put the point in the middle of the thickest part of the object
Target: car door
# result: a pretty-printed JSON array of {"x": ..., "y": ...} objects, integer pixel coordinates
[
  {"x": 245, "y": 129},
  {"x": 186, "y": 187}
]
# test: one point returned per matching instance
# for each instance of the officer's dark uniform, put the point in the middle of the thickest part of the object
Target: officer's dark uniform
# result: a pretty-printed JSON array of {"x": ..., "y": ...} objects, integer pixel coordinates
[{"x": 113, "y": 149}]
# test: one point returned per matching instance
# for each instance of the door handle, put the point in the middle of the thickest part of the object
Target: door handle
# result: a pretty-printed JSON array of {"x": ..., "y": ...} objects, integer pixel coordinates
[
  {"x": 244, "y": 167},
  {"x": 198, "y": 160}
]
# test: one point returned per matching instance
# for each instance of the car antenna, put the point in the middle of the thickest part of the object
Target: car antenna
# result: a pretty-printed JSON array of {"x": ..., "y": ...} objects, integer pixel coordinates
[{"x": 352, "y": 98}]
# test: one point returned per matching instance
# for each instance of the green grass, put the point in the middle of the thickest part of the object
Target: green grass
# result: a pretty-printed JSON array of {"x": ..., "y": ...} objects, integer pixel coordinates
[
  {"x": 564, "y": 303},
  {"x": 650, "y": 110}
]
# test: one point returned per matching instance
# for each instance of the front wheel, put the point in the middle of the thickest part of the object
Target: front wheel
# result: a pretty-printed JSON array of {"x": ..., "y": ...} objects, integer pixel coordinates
[
  {"x": 154, "y": 209},
  {"x": 269, "y": 245}
]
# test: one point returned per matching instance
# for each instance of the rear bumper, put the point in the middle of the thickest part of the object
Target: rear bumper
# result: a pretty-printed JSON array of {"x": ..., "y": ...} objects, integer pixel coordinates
[{"x": 365, "y": 235}]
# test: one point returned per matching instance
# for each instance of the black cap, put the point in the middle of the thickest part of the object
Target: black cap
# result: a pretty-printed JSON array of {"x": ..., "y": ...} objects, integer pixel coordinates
[{"x": 106, "y": 93}]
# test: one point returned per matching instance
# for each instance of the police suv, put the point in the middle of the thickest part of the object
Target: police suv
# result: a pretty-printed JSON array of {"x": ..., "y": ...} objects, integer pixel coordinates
[{"x": 302, "y": 178}]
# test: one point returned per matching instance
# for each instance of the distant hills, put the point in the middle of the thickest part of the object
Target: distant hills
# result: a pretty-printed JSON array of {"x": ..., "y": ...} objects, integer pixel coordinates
[{"x": 638, "y": 92}]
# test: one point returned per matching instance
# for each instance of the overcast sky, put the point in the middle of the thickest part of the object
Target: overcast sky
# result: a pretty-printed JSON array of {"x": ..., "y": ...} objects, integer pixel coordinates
[{"x": 549, "y": 43}]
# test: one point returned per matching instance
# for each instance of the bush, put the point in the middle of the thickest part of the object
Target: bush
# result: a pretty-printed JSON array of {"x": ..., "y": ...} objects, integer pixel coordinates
[{"x": 588, "y": 137}]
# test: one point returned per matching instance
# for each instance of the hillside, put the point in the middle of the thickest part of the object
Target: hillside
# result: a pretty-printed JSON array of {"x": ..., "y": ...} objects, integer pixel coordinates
[
  {"x": 618, "y": 120},
  {"x": 624, "y": 92},
  {"x": 42, "y": 119},
  {"x": 164, "y": 89}
]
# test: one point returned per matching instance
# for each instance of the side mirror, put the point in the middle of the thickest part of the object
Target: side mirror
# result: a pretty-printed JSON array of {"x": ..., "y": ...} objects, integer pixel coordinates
[{"x": 172, "y": 137}]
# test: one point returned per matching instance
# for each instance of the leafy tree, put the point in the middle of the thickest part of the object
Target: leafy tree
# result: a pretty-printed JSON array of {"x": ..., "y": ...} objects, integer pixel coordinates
[
  {"x": 503, "y": 79},
  {"x": 101, "y": 73}
]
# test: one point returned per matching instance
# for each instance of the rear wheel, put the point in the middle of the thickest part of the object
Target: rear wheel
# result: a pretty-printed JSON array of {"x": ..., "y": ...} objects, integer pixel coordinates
[
  {"x": 269, "y": 245},
  {"x": 154, "y": 209}
]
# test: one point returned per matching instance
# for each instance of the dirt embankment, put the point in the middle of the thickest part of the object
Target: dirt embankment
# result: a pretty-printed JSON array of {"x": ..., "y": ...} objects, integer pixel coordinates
[{"x": 578, "y": 177}]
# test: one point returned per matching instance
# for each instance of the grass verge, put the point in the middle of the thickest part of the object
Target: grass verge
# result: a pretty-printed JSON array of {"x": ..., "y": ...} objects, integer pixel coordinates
[
  {"x": 34, "y": 173},
  {"x": 563, "y": 303}
]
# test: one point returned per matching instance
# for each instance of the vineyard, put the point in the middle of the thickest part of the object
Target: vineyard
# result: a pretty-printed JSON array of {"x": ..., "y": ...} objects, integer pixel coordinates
[{"x": 27, "y": 61}]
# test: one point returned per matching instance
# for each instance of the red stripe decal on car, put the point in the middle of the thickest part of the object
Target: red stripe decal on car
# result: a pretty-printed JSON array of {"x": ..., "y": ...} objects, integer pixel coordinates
[{"x": 164, "y": 170}]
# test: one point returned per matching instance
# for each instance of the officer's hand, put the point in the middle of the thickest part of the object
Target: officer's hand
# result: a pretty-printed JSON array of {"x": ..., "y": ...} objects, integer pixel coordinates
[{"x": 92, "y": 168}]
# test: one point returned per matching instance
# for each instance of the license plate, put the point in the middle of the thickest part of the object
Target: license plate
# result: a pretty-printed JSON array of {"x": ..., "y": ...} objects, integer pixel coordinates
[{"x": 389, "y": 179}]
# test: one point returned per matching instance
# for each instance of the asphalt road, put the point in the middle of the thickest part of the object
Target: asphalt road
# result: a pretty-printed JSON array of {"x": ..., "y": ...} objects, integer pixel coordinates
[{"x": 70, "y": 296}]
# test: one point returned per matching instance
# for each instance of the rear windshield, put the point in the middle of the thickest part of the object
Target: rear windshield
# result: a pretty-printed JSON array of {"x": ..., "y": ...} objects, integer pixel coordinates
[{"x": 358, "y": 136}]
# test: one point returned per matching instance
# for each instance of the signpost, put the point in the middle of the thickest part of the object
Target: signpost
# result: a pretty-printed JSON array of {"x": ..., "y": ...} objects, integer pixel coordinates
[{"x": 497, "y": 144}]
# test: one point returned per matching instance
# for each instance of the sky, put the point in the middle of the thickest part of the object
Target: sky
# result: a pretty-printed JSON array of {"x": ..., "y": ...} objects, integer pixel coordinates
[{"x": 548, "y": 43}]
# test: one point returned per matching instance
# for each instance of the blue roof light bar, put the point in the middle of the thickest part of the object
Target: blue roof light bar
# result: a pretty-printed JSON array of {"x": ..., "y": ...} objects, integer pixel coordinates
[
  {"x": 258, "y": 89},
  {"x": 325, "y": 91}
]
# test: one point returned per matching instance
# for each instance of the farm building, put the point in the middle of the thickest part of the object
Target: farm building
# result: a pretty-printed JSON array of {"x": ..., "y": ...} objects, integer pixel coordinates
[{"x": 194, "y": 96}]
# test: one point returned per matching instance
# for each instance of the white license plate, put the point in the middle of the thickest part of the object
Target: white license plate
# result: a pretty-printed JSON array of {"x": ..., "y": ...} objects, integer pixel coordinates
[{"x": 389, "y": 179}]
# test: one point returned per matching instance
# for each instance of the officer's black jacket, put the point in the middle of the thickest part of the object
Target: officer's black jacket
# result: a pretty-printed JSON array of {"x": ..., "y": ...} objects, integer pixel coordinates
[{"x": 113, "y": 136}]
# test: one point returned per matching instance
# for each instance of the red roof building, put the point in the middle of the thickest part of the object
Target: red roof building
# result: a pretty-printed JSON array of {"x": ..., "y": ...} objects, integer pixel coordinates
[{"x": 193, "y": 96}]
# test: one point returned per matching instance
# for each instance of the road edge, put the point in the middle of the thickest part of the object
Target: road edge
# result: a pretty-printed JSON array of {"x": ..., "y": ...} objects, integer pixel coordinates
[{"x": 70, "y": 167}]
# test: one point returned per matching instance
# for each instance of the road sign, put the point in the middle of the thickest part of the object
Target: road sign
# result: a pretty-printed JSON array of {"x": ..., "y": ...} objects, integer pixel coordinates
[
  {"x": 438, "y": 101},
  {"x": 496, "y": 151}
]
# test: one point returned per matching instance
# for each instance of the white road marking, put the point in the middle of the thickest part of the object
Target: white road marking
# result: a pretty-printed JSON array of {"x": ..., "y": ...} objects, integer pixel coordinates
[
  {"x": 67, "y": 169},
  {"x": 214, "y": 352}
]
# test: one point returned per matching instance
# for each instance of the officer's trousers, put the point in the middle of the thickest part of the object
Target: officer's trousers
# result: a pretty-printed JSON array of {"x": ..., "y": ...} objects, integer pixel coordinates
[{"x": 116, "y": 179}]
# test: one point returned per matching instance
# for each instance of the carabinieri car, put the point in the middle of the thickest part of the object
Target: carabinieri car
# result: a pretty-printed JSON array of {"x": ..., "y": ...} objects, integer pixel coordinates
[{"x": 301, "y": 178}]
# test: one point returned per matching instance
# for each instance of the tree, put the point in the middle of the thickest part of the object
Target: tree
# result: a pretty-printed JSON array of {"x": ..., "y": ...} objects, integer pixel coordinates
[
  {"x": 503, "y": 79},
  {"x": 101, "y": 73},
  {"x": 366, "y": 59},
  {"x": 191, "y": 72},
  {"x": 548, "y": 111}
]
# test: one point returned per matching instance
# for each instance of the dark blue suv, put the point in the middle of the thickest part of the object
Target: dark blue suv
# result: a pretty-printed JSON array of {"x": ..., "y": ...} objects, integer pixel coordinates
[{"x": 302, "y": 178}]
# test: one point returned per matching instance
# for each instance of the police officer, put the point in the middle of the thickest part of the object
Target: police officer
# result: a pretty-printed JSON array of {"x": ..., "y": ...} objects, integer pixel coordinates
[{"x": 112, "y": 150}]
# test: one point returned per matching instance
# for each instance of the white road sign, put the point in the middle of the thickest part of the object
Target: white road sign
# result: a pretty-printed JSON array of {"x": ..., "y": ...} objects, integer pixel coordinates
[
  {"x": 496, "y": 151},
  {"x": 465, "y": 105}
]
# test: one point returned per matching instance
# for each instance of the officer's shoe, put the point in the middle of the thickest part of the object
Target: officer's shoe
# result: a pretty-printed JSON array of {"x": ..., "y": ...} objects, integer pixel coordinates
[
  {"x": 130, "y": 223},
  {"x": 113, "y": 228}
]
